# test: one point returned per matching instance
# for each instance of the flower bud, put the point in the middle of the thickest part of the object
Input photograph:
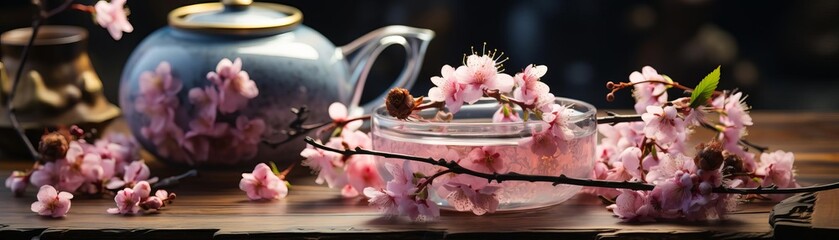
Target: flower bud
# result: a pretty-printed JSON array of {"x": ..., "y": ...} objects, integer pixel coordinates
[
  {"x": 709, "y": 156},
  {"x": 76, "y": 131},
  {"x": 610, "y": 97},
  {"x": 610, "y": 85},
  {"x": 53, "y": 146},
  {"x": 17, "y": 182},
  {"x": 733, "y": 164},
  {"x": 152, "y": 203},
  {"x": 400, "y": 103}
]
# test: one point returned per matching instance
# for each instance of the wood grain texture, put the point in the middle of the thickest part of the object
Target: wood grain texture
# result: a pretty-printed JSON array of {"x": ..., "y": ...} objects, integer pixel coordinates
[{"x": 212, "y": 207}]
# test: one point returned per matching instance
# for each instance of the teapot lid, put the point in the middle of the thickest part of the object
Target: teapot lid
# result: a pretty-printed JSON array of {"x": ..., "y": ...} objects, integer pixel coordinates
[{"x": 236, "y": 17}]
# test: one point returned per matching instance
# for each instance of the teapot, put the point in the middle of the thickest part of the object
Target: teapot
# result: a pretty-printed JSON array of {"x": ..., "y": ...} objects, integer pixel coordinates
[{"x": 218, "y": 84}]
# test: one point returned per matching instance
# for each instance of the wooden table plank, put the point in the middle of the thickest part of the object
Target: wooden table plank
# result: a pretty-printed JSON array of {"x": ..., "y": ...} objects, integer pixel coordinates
[{"x": 211, "y": 206}]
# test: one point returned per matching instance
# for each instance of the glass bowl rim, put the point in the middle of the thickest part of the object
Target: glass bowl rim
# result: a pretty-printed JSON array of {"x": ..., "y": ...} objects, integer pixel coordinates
[{"x": 380, "y": 119}]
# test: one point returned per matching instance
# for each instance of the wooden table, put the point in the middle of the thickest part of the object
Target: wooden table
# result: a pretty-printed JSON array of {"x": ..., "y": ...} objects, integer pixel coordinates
[{"x": 212, "y": 207}]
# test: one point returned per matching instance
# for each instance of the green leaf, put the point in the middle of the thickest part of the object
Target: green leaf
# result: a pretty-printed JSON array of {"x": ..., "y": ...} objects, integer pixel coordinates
[{"x": 705, "y": 88}]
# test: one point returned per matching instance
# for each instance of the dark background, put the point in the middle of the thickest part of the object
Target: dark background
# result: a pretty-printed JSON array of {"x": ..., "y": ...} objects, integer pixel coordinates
[{"x": 783, "y": 54}]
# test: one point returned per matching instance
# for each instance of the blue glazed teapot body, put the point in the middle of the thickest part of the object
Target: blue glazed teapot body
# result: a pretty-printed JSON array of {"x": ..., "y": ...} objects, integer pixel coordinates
[{"x": 219, "y": 84}]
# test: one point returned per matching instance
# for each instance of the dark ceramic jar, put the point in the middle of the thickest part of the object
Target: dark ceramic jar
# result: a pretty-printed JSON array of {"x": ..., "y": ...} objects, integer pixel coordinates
[{"x": 189, "y": 106}]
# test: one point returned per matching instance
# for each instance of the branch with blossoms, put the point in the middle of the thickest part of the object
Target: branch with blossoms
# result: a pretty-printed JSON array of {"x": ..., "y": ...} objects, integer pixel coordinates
[
  {"x": 452, "y": 166},
  {"x": 71, "y": 164},
  {"x": 111, "y": 15},
  {"x": 642, "y": 164}
]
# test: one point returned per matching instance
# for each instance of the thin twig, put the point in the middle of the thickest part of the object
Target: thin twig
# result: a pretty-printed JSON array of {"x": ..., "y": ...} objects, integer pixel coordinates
[
  {"x": 174, "y": 180},
  {"x": 59, "y": 9},
  {"x": 743, "y": 142},
  {"x": 511, "y": 176},
  {"x": 10, "y": 106},
  {"x": 614, "y": 119},
  {"x": 454, "y": 167}
]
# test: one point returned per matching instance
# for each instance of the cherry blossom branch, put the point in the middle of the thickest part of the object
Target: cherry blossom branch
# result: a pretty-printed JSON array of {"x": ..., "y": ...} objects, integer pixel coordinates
[
  {"x": 454, "y": 167},
  {"x": 43, "y": 15},
  {"x": 297, "y": 127},
  {"x": 47, "y": 14},
  {"x": 10, "y": 106},
  {"x": 174, "y": 180},
  {"x": 495, "y": 93},
  {"x": 614, "y": 87},
  {"x": 429, "y": 180},
  {"x": 614, "y": 118},
  {"x": 743, "y": 142}
]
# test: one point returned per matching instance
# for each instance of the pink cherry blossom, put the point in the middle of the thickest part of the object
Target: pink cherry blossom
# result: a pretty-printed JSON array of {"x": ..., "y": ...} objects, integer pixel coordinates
[
  {"x": 631, "y": 134},
  {"x": 119, "y": 147},
  {"x": 113, "y": 17},
  {"x": 776, "y": 167},
  {"x": 668, "y": 166},
  {"x": 325, "y": 164},
  {"x": 663, "y": 124},
  {"x": 464, "y": 197},
  {"x": 599, "y": 172},
  {"x": 142, "y": 189},
  {"x": 248, "y": 135},
  {"x": 505, "y": 116},
  {"x": 403, "y": 183},
  {"x": 480, "y": 73},
  {"x": 734, "y": 120},
  {"x": 46, "y": 174},
  {"x": 485, "y": 159},
  {"x": 417, "y": 209},
  {"x": 211, "y": 143},
  {"x": 447, "y": 89},
  {"x": 675, "y": 193},
  {"x": 127, "y": 201},
  {"x": 338, "y": 112},
  {"x": 382, "y": 199},
  {"x": 135, "y": 172},
  {"x": 235, "y": 85},
  {"x": 735, "y": 110},
  {"x": 168, "y": 140},
  {"x": 151, "y": 203},
  {"x": 544, "y": 102},
  {"x": 541, "y": 142},
  {"x": 730, "y": 136},
  {"x": 648, "y": 94},
  {"x": 160, "y": 199},
  {"x": 616, "y": 174},
  {"x": 400, "y": 195},
  {"x": 362, "y": 172},
  {"x": 631, "y": 159},
  {"x": 262, "y": 184},
  {"x": 634, "y": 206},
  {"x": 165, "y": 196},
  {"x": 529, "y": 87},
  {"x": 353, "y": 139},
  {"x": 608, "y": 150},
  {"x": 17, "y": 182},
  {"x": 206, "y": 102},
  {"x": 559, "y": 119},
  {"x": 83, "y": 161},
  {"x": 52, "y": 203},
  {"x": 158, "y": 91}
]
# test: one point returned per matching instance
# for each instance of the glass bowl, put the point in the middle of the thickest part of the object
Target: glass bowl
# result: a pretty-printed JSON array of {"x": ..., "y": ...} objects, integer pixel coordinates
[{"x": 472, "y": 127}]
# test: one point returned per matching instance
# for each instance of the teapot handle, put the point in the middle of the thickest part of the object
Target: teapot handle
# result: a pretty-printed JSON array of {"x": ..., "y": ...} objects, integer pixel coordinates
[{"x": 367, "y": 48}]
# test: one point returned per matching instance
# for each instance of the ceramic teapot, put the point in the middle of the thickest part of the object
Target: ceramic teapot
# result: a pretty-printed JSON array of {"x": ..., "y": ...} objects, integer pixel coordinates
[{"x": 218, "y": 83}]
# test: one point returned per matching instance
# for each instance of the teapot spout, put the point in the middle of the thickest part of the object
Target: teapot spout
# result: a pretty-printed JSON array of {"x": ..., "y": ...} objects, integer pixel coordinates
[{"x": 365, "y": 49}]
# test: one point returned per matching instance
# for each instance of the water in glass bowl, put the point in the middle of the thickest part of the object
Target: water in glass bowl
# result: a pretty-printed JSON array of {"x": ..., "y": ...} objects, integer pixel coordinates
[{"x": 573, "y": 160}]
